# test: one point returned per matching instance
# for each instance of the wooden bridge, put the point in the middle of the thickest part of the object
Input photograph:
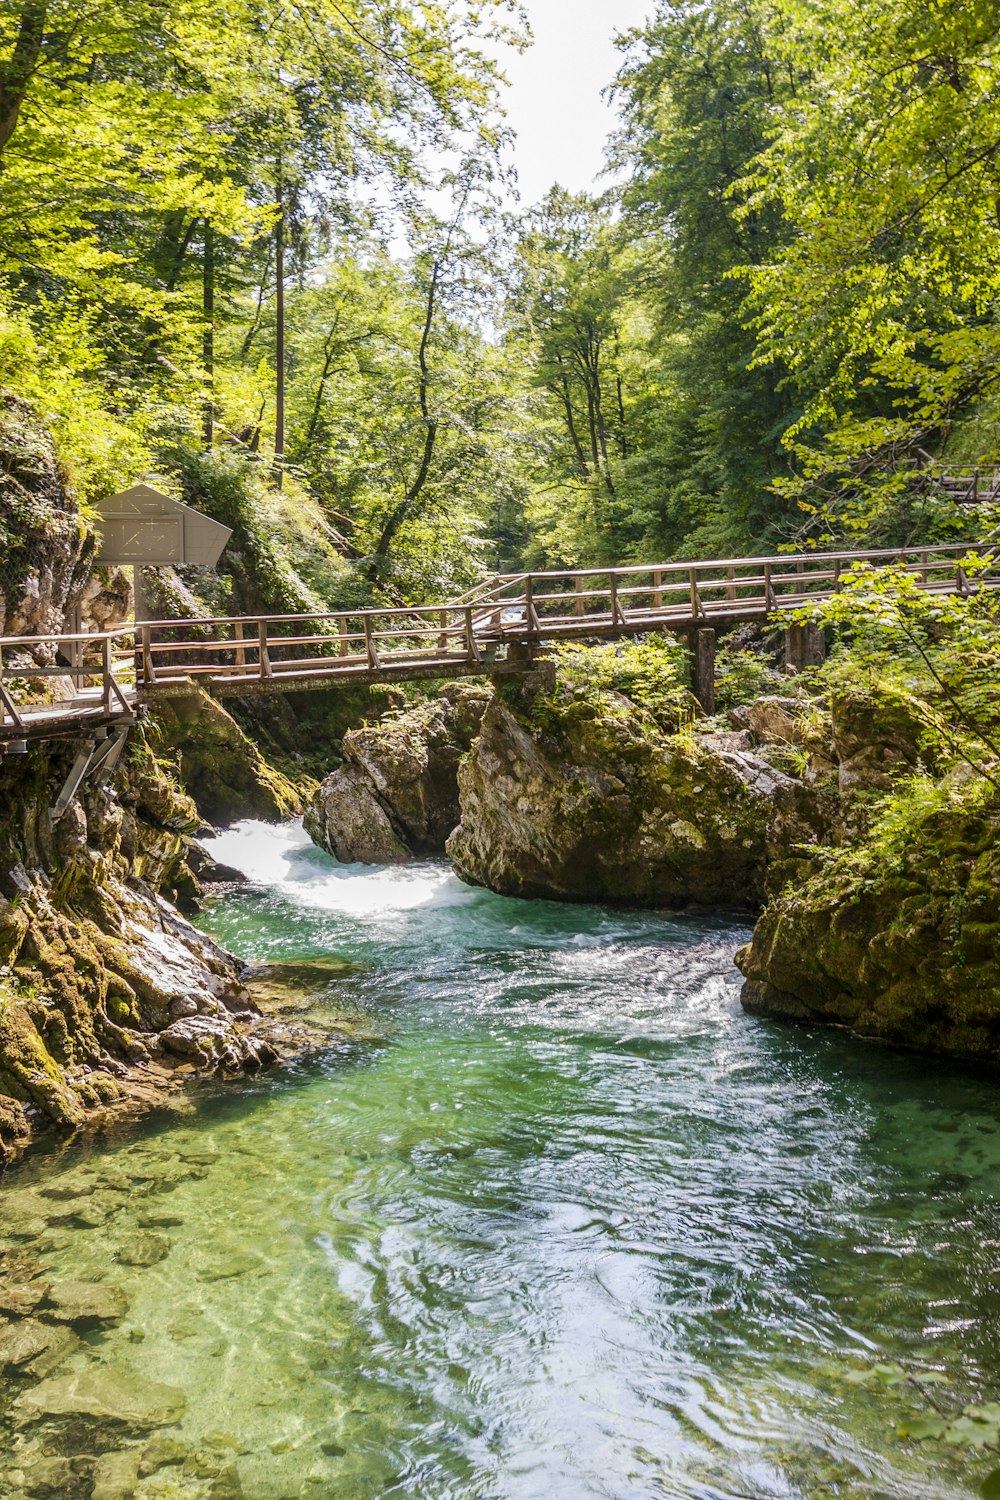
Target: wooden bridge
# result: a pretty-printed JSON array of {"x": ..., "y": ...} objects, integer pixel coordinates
[{"x": 95, "y": 684}]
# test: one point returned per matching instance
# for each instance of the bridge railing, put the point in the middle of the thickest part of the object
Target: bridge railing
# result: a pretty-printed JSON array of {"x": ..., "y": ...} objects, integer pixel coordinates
[
  {"x": 576, "y": 602},
  {"x": 99, "y": 668},
  {"x": 106, "y": 671},
  {"x": 260, "y": 649}
]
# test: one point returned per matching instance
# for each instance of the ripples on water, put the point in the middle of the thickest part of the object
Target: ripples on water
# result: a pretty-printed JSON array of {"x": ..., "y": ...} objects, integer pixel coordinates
[{"x": 573, "y": 1227}]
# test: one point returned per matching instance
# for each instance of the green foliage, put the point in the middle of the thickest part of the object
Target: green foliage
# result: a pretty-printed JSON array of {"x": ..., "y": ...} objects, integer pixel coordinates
[
  {"x": 651, "y": 673},
  {"x": 973, "y": 1426},
  {"x": 743, "y": 674},
  {"x": 938, "y": 653}
]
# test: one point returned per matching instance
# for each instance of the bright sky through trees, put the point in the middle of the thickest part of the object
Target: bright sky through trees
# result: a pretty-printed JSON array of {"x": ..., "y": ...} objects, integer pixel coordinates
[{"x": 554, "y": 102}]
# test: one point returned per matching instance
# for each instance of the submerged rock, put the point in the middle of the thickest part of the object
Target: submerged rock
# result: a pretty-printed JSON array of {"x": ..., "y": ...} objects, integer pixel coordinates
[
  {"x": 84, "y": 1304},
  {"x": 396, "y": 795},
  {"x": 102, "y": 1395},
  {"x": 577, "y": 801},
  {"x": 143, "y": 1249},
  {"x": 30, "y": 1348}
]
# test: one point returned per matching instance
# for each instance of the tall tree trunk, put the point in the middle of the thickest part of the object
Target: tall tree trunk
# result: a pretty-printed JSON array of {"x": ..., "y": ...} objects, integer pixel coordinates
[
  {"x": 408, "y": 503},
  {"x": 208, "y": 336},
  {"x": 279, "y": 339},
  {"x": 563, "y": 392},
  {"x": 15, "y": 73}
]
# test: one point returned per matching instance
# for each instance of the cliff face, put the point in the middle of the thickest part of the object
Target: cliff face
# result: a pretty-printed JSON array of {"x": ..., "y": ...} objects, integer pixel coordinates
[{"x": 106, "y": 991}]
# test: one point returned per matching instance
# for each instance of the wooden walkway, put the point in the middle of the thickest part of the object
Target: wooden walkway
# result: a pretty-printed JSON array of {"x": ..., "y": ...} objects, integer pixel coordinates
[{"x": 101, "y": 680}]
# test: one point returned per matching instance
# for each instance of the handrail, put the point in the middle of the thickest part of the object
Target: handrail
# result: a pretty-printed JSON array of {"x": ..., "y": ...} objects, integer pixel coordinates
[
  {"x": 737, "y": 562},
  {"x": 111, "y": 669}
]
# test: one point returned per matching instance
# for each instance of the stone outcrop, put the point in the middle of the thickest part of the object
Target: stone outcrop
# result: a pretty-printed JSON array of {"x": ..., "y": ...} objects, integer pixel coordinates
[
  {"x": 100, "y": 973},
  {"x": 575, "y": 800},
  {"x": 44, "y": 550},
  {"x": 908, "y": 952},
  {"x": 396, "y": 794}
]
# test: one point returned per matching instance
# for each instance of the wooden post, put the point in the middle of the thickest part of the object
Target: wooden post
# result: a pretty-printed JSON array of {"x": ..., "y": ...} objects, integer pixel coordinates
[
  {"x": 265, "y": 660},
  {"x": 146, "y": 638},
  {"x": 768, "y": 590},
  {"x": 658, "y": 589},
  {"x": 731, "y": 590},
  {"x": 578, "y": 601},
  {"x": 695, "y": 604},
  {"x": 805, "y": 646},
  {"x": 106, "y": 670},
  {"x": 443, "y": 637},
  {"x": 372, "y": 654},
  {"x": 345, "y": 645},
  {"x": 530, "y": 618},
  {"x": 704, "y": 668},
  {"x": 470, "y": 639},
  {"x": 241, "y": 655},
  {"x": 613, "y": 598}
]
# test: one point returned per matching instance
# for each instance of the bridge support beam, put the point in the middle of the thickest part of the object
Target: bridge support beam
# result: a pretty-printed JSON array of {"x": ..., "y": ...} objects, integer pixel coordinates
[
  {"x": 702, "y": 647},
  {"x": 805, "y": 646}
]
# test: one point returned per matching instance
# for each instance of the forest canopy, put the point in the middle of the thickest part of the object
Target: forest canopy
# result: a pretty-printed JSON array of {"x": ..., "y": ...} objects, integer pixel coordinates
[{"x": 279, "y": 242}]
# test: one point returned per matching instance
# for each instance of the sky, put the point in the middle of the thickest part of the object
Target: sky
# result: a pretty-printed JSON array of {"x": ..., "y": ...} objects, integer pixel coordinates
[{"x": 554, "y": 102}]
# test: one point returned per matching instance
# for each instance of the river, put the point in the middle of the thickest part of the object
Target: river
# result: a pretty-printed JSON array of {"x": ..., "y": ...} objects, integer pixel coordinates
[{"x": 551, "y": 1219}]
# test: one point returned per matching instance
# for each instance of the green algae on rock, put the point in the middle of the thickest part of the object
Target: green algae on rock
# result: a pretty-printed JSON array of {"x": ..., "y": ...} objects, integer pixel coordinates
[{"x": 224, "y": 770}]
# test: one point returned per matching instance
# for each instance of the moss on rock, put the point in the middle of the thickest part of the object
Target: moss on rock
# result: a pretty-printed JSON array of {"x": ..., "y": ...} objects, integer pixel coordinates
[{"x": 574, "y": 799}]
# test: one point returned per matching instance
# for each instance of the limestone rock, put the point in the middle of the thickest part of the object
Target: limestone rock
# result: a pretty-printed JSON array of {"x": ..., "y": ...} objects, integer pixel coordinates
[
  {"x": 30, "y": 1348},
  {"x": 572, "y": 801},
  {"x": 20, "y": 1299},
  {"x": 226, "y": 772},
  {"x": 396, "y": 794},
  {"x": 910, "y": 955},
  {"x": 45, "y": 548},
  {"x": 143, "y": 1249},
  {"x": 116, "y": 1475},
  {"x": 84, "y": 1304},
  {"x": 102, "y": 1395}
]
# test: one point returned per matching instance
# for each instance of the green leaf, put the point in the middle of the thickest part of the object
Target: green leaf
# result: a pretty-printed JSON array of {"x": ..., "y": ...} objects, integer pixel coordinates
[{"x": 990, "y": 1487}]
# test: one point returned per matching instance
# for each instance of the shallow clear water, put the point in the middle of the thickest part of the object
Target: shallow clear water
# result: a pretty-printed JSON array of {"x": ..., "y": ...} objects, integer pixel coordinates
[{"x": 554, "y": 1220}]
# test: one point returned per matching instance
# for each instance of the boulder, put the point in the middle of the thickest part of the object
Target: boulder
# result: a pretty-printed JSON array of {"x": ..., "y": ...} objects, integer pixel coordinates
[
  {"x": 396, "y": 794},
  {"x": 907, "y": 950},
  {"x": 84, "y": 1304},
  {"x": 575, "y": 801},
  {"x": 101, "y": 1395}
]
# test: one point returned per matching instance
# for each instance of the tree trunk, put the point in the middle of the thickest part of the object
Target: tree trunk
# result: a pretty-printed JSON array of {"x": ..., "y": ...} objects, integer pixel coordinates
[
  {"x": 279, "y": 341},
  {"x": 16, "y": 72},
  {"x": 208, "y": 336},
  {"x": 408, "y": 504}
]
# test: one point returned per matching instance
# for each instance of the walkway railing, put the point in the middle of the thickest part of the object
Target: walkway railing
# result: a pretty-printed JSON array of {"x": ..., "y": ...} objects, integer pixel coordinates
[
  {"x": 103, "y": 676},
  {"x": 602, "y": 600}
]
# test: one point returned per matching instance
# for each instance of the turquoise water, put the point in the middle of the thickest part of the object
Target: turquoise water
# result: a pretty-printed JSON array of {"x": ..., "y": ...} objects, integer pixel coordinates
[{"x": 552, "y": 1219}]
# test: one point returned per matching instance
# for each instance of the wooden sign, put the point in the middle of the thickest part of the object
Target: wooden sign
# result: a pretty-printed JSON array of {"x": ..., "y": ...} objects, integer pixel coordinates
[{"x": 143, "y": 528}]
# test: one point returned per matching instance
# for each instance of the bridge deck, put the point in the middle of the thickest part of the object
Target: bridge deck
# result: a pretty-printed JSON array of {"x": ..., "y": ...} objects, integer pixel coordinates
[{"x": 103, "y": 678}]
